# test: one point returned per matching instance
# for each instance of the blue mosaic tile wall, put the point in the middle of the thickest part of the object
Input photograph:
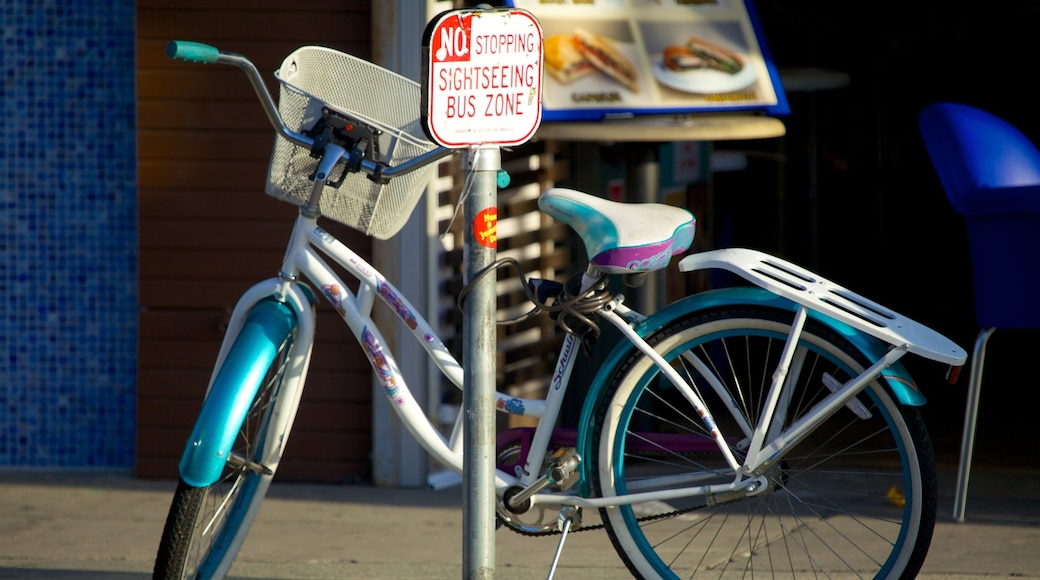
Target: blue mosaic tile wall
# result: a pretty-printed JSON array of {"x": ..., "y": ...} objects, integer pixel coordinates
[{"x": 68, "y": 247}]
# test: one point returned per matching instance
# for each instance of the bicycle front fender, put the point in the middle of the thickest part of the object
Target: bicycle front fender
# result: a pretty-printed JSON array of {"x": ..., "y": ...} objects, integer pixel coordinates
[
  {"x": 896, "y": 376},
  {"x": 234, "y": 387}
]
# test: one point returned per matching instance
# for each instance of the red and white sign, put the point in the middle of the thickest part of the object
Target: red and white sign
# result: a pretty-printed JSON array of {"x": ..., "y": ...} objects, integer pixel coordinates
[{"x": 484, "y": 78}]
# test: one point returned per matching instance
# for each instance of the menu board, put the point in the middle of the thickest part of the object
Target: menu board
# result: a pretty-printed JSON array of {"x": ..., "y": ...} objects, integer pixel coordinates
[{"x": 622, "y": 58}]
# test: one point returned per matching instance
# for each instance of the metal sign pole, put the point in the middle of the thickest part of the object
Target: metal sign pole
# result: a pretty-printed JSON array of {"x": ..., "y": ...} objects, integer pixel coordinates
[
  {"x": 479, "y": 349},
  {"x": 482, "y": 91}
]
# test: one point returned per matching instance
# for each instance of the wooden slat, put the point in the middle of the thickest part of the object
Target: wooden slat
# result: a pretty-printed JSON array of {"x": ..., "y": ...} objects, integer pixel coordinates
[
  {"x": 311, "y": 457},
  {"x": 337, "y": 463},
  {"x": 325, "y": 418},
  {"x": 179, "y": 294},
  {"x": 230, "y": 24},
  {"x": 253, "y": 204},
  {"x": 208, "y": 231},
  {"x": 201, "y": 354},
  {"x": 173, "y": 355},
  {"x": 323, "y": 386},
  {"x": 170, "y": 82},
  {"x": 202, "y": 115},
  {"x": 266, "y": 55},
  {"x": 257, "y": 5},
  {"x": 170, "y": 438},
  {"x": 175, "y": 324},
  {"x": 204, "y": 173},
  {"x": 194, "y": 294},
  {"x": 199, "y": 235},
  {"x": 318, "y": 472},
  {"x": 168, "y": 265},
  {"x": 169, "y": 144}
]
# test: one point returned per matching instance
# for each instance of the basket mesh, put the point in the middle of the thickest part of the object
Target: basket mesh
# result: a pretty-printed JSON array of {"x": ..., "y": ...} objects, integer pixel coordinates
[{"x": 313, "y": 77}]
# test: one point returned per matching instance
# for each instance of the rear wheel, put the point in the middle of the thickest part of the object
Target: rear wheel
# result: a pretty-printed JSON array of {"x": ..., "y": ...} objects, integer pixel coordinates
[
  {"x": 206, "y": 525},
  {"x": 856, "y": 497}
]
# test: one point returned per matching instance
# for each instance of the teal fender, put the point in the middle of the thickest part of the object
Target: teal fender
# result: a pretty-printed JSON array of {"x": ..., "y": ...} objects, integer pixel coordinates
[
  {"x": 896, "y": 376},
  {"x": 233, "y": 389}
]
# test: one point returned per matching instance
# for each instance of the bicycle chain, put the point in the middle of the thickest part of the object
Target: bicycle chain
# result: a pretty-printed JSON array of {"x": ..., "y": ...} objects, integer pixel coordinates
[{"x": 601, "y": 526}]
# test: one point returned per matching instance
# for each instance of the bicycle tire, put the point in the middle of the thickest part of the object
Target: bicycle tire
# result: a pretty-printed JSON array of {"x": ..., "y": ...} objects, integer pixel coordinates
[
  {"x": 206, "y": 525},
  {"x": 867, "y": 471}
]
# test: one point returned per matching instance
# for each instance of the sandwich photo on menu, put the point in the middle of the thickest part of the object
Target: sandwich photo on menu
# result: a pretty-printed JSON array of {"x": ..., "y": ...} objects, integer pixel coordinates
[
  {"x": 564, "y": 60},
  {"x": 697, "y": 53},
  {"x": 695, "y": 65},
  {"x": 575, "y": 55}
]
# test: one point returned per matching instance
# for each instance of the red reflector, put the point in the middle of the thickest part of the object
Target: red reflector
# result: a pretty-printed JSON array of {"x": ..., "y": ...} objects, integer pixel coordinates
[{"x": 953, "y": 374}]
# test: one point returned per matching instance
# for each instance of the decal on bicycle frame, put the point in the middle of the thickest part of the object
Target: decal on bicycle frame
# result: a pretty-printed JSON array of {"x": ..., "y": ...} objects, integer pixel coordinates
[
  {"x": 396, "y": 303},
  {"x": 335, "y": 295},
  {"x": 511, "y": 406},
  {"x": 384, "y": 373},
  {"x": 325, "y": 236}
]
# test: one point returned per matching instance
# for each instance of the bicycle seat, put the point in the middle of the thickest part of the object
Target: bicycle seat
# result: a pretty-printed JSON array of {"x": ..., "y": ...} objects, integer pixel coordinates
[{"x": 622, "y": 238}]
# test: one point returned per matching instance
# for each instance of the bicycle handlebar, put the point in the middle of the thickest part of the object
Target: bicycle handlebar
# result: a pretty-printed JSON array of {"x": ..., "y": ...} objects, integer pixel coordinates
[
  {"x": 192, "y": 51},
  {"x": 198, "y": 52}
]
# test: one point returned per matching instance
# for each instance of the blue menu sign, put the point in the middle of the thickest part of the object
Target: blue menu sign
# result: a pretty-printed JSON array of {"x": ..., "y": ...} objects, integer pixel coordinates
[{"x": 623, "y": 58}]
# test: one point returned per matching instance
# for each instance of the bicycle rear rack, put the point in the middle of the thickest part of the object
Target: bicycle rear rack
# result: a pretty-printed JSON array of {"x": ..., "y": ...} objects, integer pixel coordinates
[{"x": 817, "y": 293}]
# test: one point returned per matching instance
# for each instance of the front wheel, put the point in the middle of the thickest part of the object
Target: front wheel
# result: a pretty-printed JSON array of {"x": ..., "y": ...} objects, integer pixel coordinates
[
  {"x": 206, "y": 525},
  {"x": 857, "y": 497}
]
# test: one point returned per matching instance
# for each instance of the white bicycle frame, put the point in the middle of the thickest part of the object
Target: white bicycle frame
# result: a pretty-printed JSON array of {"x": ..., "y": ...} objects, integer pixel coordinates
[{"x": 763, "y": 446}]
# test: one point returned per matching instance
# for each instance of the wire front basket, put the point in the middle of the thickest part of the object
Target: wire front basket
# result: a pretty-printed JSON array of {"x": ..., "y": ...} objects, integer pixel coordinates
[{"x": 315, "y": 77}]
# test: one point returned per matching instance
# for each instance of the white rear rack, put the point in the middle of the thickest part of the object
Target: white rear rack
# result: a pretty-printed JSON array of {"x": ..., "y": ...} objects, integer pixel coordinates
[{"x": 816, "y": 293}]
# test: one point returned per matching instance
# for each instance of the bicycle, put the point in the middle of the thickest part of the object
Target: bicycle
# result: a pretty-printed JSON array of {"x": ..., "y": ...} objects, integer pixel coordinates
[{"x": 768, "y": 427}]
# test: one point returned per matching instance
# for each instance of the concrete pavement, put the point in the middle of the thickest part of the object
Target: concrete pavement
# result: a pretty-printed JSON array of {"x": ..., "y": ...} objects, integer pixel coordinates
[{"x": 107, "y": 526}]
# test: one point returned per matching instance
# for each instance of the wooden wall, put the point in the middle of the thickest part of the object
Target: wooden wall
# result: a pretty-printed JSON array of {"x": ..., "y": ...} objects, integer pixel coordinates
[{"x": 208, "y": 231}]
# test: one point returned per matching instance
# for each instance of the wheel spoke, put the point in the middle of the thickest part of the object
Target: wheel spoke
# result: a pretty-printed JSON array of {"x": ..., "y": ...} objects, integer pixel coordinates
[{"x": 824, "y": 509}]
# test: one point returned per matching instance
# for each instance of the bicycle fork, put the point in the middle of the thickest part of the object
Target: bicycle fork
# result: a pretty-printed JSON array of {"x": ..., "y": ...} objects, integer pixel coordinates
[{"x": 260, "y": 325}]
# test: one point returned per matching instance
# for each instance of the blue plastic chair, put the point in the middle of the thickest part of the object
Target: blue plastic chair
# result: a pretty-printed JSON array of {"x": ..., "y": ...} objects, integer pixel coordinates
[{"x": 991, "y": 174}]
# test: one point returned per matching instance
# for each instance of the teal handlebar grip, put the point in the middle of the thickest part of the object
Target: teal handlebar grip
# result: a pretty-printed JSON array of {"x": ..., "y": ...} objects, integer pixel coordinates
[{"x": 192, "y": 51}]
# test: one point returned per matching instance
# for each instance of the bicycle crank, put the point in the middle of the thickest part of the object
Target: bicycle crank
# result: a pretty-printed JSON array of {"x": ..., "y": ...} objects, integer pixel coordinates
[{"x": 515, "y": 509}]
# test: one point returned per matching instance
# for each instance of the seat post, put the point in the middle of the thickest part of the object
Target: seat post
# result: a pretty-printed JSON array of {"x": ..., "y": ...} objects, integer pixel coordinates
[{"x": 971, "y": 414}]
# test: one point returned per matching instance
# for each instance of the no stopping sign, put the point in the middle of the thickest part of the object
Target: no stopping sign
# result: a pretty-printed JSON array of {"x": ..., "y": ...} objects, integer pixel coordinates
[{"x": 482, "y": 81}]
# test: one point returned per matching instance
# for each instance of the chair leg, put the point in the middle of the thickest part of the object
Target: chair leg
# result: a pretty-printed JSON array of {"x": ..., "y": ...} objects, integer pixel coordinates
[{"x": 971, "y": 414}]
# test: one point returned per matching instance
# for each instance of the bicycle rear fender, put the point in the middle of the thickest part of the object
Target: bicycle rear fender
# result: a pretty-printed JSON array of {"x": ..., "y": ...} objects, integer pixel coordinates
[
  {"x": 896, "y": 376},
  {"x": 233, "y": 389}
]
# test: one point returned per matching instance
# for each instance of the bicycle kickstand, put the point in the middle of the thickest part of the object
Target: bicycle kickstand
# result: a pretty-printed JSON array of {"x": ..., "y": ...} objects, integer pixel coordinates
[{"x": 569, "y": 516}]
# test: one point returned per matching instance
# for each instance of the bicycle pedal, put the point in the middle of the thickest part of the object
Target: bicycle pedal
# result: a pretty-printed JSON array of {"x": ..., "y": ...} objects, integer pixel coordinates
[{"x": 563, "y": 469}]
